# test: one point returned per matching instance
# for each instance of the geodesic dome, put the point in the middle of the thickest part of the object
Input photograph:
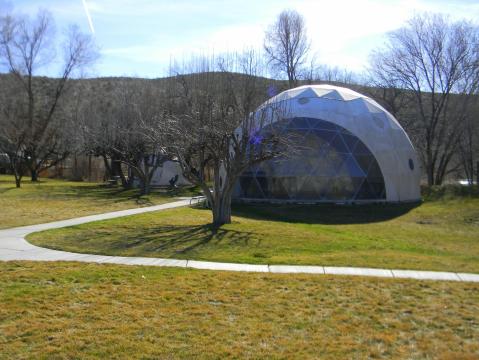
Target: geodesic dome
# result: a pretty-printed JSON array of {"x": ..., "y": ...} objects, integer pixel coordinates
[{"x": 352, "y": 150}]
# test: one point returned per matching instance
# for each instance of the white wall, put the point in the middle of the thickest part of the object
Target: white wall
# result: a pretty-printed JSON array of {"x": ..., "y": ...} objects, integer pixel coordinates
[{"x": 167, "y": 171}]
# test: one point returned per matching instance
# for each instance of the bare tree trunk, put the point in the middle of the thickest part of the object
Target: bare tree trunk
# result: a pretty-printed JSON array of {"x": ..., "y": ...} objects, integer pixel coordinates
[
  {"x": 34, "y": 175},
  {"x": 144, "y": 181},
  {"x": 108, "y": 170},
  {"x": 131, "y": 178},
  {"x": 18, "y": 178},
  {"x": 116, "y": 170},
  {"x": 16, "y": 173},
  {"x": 430, "y": 174},
  {"x": 89, "y": 166},
  {"x": 145, "y": 187},
  {"x": 146, "y": 176},
  {"x": 222, "y": 209},
  {"x": 75, "y": 167},
  {"x": 127, "y": 184}
]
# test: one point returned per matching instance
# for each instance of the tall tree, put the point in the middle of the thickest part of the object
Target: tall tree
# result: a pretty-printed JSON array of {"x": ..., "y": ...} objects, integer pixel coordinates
[
  {"x": 286, "y": 45},
  {"x": 27, "y": 45},
  {"x": 116, "y": 125},
  {"x": 437, "y": 62},
  {"x": 12, "y": 125},
  {"x": 216, "y": 128},
  {"x": 469, "y": 145}
]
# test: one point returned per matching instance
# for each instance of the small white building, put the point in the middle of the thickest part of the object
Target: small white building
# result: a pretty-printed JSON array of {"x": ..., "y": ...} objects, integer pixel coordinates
[{"x": 167, "y": 171}]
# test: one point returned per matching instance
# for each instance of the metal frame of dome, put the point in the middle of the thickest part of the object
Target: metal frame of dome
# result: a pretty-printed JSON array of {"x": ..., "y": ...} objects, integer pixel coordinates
[{"x": 351, "y": 114}]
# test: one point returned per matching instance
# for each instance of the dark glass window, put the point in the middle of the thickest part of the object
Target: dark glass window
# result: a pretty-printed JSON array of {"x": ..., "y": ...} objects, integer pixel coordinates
[
  {"x": 331, "y": 164},
  {"x": 299, "y": 123}
]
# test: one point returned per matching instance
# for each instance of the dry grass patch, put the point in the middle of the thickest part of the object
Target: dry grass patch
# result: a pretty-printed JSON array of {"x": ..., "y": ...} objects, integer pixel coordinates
[
  {"x": 52, "y": 199},
  {"x": 60, "y": 310}
]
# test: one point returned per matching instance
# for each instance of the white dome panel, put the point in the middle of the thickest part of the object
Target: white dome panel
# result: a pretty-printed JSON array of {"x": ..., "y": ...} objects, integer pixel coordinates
[{"x": 367, "y": 122}]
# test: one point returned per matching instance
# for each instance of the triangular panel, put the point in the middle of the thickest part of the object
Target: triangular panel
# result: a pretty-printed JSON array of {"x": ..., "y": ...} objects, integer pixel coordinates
[
  {"x": 364, "y": 161},
  {"x": 364, "y": 192},
  {"x": 299, "y": 123},
  {"x": 326, "y": 125},
  {"x": 339, "y": 145},
  {"x": 277, "y": 189},
  {"x": 350, "y": 141},
  {"x": 350, "y": 168},
  {"x": 325, "y": 136},
  {"x": 333, "y": 95},
  {"x": 361, "y": 149},
  {"x": 262, "y": 185},
  {"x": 307, "y": 93}
]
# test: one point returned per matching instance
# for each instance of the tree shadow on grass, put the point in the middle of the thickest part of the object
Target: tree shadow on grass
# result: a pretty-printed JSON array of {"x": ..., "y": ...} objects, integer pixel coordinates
[
  {"x": 327, "y": 214},
  {"x": 119, "y": 194},
  {"x": 100, "y": 192},
  {"x": 4, "y": 180},
  {"x": 56, "y": 189},
  {"x": 96, "y": 192},
  {"x": 4, "y": 190},
  {"x": 114, "y": 194},
  {"x": 171, "y": 240}
]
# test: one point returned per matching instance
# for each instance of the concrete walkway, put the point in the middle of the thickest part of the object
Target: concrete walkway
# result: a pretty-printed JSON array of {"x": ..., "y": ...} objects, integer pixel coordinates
[{"x": 13, "y": 246}]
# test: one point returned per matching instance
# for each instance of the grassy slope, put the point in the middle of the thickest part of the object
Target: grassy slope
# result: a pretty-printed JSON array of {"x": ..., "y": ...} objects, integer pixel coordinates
[
  {"x": 59, "y": 310},
  {"x": 437, "y": 235},
  {"x": 50, "y": 200}
]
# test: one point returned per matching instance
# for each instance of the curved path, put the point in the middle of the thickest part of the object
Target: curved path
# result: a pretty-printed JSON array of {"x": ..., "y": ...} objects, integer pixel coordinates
[{"x": 13, "y": 246}]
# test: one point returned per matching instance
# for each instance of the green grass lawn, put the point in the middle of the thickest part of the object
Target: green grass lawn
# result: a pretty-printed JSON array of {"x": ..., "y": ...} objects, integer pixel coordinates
[
  {"x": 84, "y": 311},
  {"x": 50, "y": 200},
  {"x": 436, "y": 235},
  {"x": 72, "y": 310}
]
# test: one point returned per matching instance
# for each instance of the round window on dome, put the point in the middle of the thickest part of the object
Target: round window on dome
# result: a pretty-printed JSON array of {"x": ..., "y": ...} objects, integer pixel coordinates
[{"x": 411, "y": 164}]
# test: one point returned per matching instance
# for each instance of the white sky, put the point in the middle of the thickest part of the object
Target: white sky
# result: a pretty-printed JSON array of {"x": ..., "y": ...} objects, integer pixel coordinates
[{"x": 139, "y": 37}]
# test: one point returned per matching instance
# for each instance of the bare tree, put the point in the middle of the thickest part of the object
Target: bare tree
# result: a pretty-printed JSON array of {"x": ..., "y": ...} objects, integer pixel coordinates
[
  {"x": 117, "y": 126},
  {"x": 286, "y": 45},
  {"x": 215, "y": 127},
  {"x": 469, "y": 145},
  {"x": 41, "y": 123},
  {"x": 436, "y": 62},
  {"x": 388, "y": 92},
  {"x": 334, "y": 74},
  {"x": 138, "y": 109},
  {"x": 12, "y": 125},
  {"x": 100, "y": 130}
]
